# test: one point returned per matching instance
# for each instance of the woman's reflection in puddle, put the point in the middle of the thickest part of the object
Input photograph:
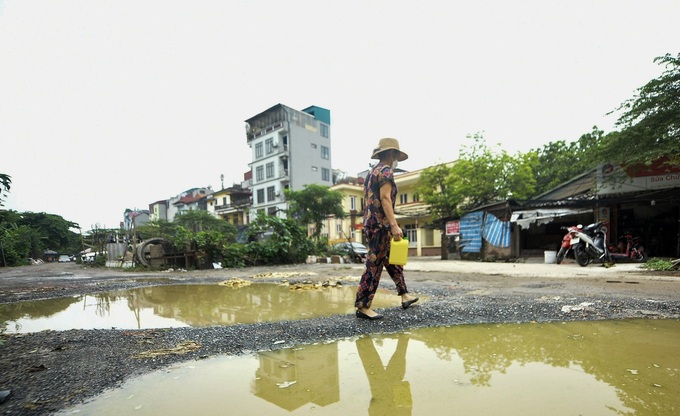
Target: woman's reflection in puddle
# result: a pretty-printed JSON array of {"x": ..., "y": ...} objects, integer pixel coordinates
[{"x": 391, "y": 395}]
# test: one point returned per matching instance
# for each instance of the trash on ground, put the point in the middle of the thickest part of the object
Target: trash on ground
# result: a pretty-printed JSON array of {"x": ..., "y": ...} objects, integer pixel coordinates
[
  {"x": 235, "y": 282},
  {"x": 181, "y": 348},
  {"x": 575, "y": 308},
  {"x": 281, "y": 275}
]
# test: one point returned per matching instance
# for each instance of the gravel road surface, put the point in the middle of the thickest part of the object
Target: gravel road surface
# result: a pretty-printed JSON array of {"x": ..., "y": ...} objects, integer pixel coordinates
[{"x": 52, "y": 370}]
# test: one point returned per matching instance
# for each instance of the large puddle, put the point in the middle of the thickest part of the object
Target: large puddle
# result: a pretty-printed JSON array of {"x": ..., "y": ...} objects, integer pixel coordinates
[
  {"x": 574, "y": 368},
  {"x": 184, "y": 305}
]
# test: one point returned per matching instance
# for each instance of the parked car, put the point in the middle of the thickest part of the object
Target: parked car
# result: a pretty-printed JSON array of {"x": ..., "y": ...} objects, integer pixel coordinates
[
  {"x": 64, "y": 258},
  {"x": 356, "y": 251}
]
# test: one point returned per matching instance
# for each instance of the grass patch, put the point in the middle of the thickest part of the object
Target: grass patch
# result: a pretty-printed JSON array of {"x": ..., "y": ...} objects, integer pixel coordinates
[{"x": 658, "y": 264}]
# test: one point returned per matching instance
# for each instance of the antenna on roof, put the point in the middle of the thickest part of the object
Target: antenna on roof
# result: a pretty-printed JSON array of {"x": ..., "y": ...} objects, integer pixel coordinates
[{"x": 222, "y": 179}]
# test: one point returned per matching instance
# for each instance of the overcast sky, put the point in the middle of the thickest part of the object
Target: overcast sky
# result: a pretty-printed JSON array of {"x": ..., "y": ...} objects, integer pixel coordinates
[{"x": 108, "y": 105}]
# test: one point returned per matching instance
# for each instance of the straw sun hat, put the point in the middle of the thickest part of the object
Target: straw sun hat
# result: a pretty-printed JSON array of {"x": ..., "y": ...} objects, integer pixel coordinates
[{"x": 388, "y": 144}]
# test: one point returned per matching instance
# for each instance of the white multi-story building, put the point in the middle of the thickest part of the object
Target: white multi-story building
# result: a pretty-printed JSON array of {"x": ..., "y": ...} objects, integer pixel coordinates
[{"x": 290, "y": 149}]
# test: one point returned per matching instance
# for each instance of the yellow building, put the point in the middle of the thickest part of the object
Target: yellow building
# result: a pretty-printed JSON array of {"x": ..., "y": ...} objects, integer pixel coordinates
[
  {"x": 340, "y": 229},
  {"x": 412, "y": 216},
  {"x": 231, "y": 204}
]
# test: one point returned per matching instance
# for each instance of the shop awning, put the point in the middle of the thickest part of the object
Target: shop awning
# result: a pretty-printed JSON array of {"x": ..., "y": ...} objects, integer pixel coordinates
[{"x": 544, "y": 216}]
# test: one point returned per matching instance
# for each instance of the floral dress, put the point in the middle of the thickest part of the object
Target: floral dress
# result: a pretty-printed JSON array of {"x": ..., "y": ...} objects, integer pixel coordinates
[{"x": 378, "y": 235}]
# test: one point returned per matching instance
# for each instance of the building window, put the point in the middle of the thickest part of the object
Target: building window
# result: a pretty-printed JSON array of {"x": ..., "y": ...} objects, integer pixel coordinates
[
  {"x": 270, "y": 170},
  {"x": 324, "y": 130},
  {"x": 271, "y": 211},
  {"x": 235, "y": 219},
  {"x": 338, "y": 229},
  {"x": 403, "y": 198},
  {"x": 313, "y": 146},
  {"x": 224, "y": 200},
  {"x": 259, "y": 173},
  {"x": 260, "y": 212},
  {"x": 270, "y": 194},
  {"x": 258, "y": 150},
  {"x": 325, "y": 174},
  {"x": 362, "y": 203},
  {"x": 416, "y": 197},
  {"x": 325, "y": 153},
  {"x": 353, "y": 203},
  {"x": 260, "y": 196},
  {"x": 411, "y": 233},
  {"x": 269, "y": 144}
]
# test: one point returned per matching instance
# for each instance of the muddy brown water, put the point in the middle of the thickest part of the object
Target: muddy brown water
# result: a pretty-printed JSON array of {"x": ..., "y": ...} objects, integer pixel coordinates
[
  {"x": 573, "y": 368},
  {"x": 184, "y": 305}
]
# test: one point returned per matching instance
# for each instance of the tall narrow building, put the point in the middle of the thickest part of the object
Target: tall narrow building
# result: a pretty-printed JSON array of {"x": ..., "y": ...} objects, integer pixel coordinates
[{"x": 290, "y": 149}]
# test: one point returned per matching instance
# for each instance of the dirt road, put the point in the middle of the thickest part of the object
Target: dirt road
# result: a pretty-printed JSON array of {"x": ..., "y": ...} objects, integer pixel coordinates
[{"x": 49, "y": 371}]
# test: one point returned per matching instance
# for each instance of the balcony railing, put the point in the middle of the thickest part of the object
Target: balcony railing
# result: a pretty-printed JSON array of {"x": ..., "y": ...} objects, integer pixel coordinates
[{"x": 236, "y": 205}]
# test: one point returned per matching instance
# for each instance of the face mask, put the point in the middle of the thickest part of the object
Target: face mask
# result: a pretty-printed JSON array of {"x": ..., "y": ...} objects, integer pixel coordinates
[{"x": 395, "y": 163}]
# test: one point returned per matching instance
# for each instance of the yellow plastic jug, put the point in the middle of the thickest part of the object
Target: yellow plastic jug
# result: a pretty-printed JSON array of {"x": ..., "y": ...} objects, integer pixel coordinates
[{"x": 399, "y": 252}]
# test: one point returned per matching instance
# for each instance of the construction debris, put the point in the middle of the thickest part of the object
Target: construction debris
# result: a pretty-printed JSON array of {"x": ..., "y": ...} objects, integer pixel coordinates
[
  {"x": 282, "y": 275},
  {"x": 181, "y": 348},
  {"x": 235, "y": 282}
]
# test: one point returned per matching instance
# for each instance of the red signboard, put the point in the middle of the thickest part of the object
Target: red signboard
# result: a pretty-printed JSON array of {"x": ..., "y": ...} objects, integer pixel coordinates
[{"x": 452, "y": 227}]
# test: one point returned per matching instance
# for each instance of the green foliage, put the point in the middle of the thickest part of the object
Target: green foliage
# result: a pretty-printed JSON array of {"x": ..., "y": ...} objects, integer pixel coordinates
[
  {"x": 658, "y": 264},
  {"x": 480, "y": 176},
  {"x": 99, "y": 260},
  {"x": 160, "y": 228},
  {"x": 53, "y": 231},
  {"x": 288, "y": 244},
  {"x": 650, "y": 121},
  {"x": 485, "y": 176},
  {"x": 19, "y": 243},
  {"x": 182, "y": 237},
  {"x": 434, "y": 189},
  {"x": 197, "y": 221},
  {"x": 5, "y": 185},
  {"x": 211, "y": 242},
  {"x": 558, "y": 162},
  {"x": 313, "y": 205}
]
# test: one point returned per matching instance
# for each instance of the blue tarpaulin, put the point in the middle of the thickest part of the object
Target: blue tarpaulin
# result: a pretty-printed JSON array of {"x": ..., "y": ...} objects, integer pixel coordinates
[
  {"x": 496, "y": 232},
  {"x": 471, "y": 232}
]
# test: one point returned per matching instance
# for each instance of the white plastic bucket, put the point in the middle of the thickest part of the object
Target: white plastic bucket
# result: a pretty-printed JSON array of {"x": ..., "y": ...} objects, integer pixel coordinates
[{"x": 550, "y": 256}]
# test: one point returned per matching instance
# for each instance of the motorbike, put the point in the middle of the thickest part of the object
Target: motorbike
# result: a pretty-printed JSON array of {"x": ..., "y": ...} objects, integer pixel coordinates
[
  {"x": 629, "y": 248},
  {"x": 568, "y": 241},
  {"x": 592, "y": 245}
]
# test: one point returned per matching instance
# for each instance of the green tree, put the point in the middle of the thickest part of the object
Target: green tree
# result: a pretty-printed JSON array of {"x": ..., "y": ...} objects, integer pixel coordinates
[
  {"x": 557, "y": 162},
  {"x": 313, "y": 205},
  {"x": 197, "y": 221},
  {"x": 158, "y": 228},
  {"x": 650, "y": 121},
  {"x": 5, "y": 182},
  {"x": 28, "y": 234},
  {"x": 434, "y": 189},
  {"x": 18, "y": 243},
  {"x": 480, "y": 176},
  {"x": 483, "y": 175},
  {"x": 55, "y": 230}
]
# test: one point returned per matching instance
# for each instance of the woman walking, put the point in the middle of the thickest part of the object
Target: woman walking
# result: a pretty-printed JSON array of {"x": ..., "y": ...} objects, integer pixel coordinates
[{"x": 380, "y": 225}]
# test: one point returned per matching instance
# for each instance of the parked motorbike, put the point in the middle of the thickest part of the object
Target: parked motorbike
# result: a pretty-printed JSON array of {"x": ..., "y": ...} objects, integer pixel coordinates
[
  {"x": 629, "y": 248},
  {"x": 592, "y": 245},
  {"x": 568, "y": 241}
]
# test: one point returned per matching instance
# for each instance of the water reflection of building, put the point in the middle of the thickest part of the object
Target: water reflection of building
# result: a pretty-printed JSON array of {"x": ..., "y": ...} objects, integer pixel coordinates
[{"x": 290, "y": 379}]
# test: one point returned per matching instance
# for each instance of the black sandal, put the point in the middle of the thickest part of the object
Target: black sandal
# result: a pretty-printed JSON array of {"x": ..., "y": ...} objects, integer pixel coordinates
[
  {"x": 406, "y": 304},
  {"x": 364, "y": 316}
]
